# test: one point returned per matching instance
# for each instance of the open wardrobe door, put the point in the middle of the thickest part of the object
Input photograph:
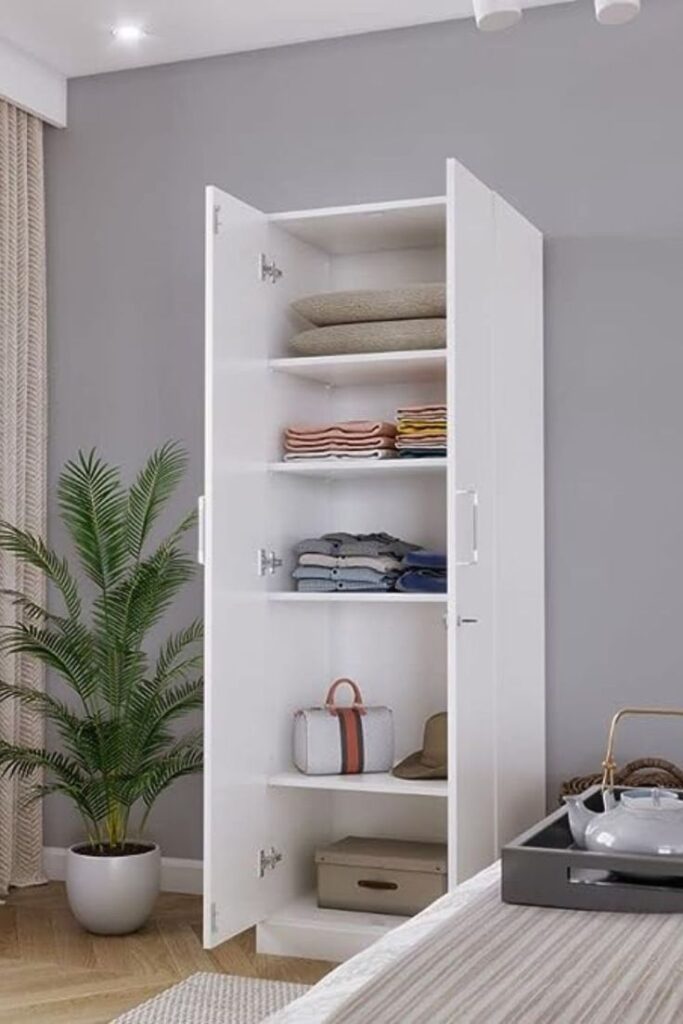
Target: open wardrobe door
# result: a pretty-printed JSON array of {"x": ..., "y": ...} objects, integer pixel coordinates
[
  {"x": 253, "y": 840},
  {"x": 235, "y": 495},
  {"x": 471, "y": 699}
]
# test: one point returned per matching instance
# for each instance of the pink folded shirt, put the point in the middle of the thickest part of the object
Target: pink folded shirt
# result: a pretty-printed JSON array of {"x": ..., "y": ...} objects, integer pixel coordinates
[
  {"x": 350, "y": 428},
  {"x": 346, "y": 443}
]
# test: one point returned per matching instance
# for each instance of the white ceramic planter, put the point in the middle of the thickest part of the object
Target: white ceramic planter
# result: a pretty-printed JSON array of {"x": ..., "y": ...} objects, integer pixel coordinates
[{"x": 112, "y": 895}]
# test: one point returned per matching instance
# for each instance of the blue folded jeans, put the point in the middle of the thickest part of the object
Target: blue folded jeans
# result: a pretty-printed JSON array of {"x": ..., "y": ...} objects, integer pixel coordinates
[
  {"x": 423, "y": 581},
  {"x": 425, "y": 560}
]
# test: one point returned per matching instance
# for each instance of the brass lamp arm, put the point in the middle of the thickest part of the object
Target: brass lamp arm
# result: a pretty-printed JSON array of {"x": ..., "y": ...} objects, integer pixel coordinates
[{"x": 609, "y": 764}]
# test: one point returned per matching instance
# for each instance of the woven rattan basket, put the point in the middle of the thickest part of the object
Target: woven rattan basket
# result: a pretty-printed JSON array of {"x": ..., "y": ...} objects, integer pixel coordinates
[{"x": 646, "y": 771}]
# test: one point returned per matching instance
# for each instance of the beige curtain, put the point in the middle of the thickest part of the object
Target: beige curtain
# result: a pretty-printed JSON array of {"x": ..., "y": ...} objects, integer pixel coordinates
[{"x": 23, "y": 401}]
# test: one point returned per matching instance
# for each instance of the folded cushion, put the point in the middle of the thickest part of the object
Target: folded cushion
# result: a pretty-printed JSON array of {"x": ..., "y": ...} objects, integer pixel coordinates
[
  {"x": 411, "y": 302},
  {"x": 381, "y": 336}
]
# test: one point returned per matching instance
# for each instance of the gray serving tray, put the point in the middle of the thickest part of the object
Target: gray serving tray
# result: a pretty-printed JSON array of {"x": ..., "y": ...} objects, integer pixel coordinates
[{"x": 544, "y": 868}]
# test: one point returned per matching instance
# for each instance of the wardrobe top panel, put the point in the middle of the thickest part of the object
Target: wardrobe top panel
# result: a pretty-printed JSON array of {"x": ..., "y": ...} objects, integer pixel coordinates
[{"x": 373, "y": 227}]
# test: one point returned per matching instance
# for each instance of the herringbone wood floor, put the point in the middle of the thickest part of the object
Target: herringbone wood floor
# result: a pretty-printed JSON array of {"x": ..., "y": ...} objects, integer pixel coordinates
[{"x": 53, "y": 972}]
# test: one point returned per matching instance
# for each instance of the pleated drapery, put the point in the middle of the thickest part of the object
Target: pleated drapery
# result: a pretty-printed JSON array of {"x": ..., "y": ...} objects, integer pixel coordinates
[{"x": 23, "y": 457}]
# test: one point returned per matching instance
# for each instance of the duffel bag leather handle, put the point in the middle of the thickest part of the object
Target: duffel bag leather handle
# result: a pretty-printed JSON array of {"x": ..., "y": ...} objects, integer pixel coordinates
[{"x": 357, "y": 696}]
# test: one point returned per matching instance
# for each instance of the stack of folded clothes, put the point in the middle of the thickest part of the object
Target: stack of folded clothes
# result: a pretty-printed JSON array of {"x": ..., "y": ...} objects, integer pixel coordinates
[
  {"x": 423, "y": 572},
  {"x": 354, "y": 439},
  {"x": 350, "y": 562},
  {"x": 421, "y": 431}
]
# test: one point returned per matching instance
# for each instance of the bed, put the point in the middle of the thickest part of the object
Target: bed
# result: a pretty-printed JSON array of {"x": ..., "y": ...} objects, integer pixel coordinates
[{"x": 470, "y": 959}]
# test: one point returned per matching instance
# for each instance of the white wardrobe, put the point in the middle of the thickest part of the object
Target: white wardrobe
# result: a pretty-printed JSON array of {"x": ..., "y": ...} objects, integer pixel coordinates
[{"x": 477, "y": 651}]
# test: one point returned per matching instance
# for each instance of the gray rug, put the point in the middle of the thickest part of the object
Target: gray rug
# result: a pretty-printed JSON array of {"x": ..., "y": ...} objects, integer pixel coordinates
[{"x": 215, "y": 999}]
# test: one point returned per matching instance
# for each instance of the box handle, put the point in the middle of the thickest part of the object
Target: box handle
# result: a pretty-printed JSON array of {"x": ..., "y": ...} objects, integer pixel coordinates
[{"x": 368, "y": 883}]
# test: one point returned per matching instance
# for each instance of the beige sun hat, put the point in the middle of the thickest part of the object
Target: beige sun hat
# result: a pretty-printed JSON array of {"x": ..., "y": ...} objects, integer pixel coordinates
[{"x": 432, "y": 761}]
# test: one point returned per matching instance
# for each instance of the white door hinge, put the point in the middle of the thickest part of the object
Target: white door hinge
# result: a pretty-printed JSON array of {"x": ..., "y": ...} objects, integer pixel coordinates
[
  {"x": 268, "y": 269},
  {"x": 267, "y": 562},
  {"x": 217, "y": 223}
]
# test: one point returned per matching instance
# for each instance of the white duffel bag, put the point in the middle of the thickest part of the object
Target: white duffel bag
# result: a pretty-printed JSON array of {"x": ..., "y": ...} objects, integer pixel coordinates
[{"x": 343, "y": 739}]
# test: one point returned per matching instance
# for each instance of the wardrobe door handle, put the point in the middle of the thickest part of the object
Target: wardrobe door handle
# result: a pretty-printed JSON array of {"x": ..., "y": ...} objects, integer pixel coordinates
[
  {"x": 472, "y": 493},
  {"x": 201, "y": 504}
]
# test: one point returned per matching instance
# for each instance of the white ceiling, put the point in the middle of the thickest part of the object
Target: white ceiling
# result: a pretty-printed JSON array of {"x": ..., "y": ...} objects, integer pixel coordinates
[{"x": 74, "y": 36}]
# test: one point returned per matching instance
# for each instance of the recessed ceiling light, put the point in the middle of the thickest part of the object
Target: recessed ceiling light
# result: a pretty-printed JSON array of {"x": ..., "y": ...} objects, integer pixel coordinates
[
  {"x": 494, "y": 15},
  {"x": 128, "y": 33},
  {"x": 616, "y": 12}
]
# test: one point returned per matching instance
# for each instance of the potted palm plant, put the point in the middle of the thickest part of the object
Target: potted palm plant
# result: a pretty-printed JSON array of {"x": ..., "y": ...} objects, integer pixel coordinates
[{"x": 118, "y": 746}]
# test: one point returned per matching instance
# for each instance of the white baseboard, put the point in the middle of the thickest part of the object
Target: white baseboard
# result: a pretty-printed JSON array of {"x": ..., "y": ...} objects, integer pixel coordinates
[{"x": 177, "y": 874}]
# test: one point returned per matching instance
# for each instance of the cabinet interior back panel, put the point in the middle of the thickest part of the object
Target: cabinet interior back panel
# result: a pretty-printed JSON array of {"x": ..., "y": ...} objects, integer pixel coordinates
[
  {"x": 387, "y": 269},
  {"x": 414, "y": 223},
  {"x": 416, "y": 818},
  {"x": 398, "y": 657}
]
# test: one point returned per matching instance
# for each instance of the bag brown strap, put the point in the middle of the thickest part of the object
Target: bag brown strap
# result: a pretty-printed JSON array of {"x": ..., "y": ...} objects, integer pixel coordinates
[{"x": 358, "y": 704}]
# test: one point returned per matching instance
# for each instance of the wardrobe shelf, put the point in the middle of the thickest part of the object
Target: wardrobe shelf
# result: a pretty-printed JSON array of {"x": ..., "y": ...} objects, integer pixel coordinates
[
  {"x": 392, "y": 597},
  {"x": 304, "y": 929},
  {"x": 360, "y": 467},
  {"x": 406, "y": 367},
  {"x": 375, "y": 782}
]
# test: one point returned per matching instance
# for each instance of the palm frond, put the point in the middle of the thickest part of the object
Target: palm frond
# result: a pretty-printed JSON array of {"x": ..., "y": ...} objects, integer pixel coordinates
[
  {"x": 92, "y": 503},
  {"x": 155, "y": 710},
  {"x": 35, "y": 552},
  {"x": 67, "y": 652},
  {"x": 150, "y": 492},
  {"x": 66, "y": 720},
  {"x": 149, "y": 593},
  {"x": 30, "y": 609},
  {"x": 24, "y": 761},
  {"x": 187, "y": 760},
  {"x": 168, "y": 666}
]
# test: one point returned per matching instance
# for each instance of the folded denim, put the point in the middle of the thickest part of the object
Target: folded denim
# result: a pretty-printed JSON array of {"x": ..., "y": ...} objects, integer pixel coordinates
[
  {"x": 382, "y": 563},
  {"x": 363, "y": 544},
  {"x": 422, "y": 453},
  {"x": 317, "y": 572},
  {"x": 342, "y": 453},
  {"x": 425, "y": 559},
  {"x": 426, "y": 581},
  {"x": 328, "y": 586}
]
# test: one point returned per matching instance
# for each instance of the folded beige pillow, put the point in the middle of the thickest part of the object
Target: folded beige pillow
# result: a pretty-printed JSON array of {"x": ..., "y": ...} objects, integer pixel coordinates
[
  {"x": 381, "y": 336},
  {"x": 413, "y": 302}
]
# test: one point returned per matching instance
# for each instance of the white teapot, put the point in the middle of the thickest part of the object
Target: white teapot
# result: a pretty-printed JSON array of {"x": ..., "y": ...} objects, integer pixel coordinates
[{"x": 647, "y": 821}]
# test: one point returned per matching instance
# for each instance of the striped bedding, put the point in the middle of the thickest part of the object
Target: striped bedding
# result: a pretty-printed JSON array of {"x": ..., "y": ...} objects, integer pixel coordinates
[{"x": 470, "y": 959}]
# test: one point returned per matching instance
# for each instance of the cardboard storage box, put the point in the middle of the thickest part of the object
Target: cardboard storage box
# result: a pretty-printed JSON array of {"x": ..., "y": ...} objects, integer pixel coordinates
[{"x": 382, "y": 876}]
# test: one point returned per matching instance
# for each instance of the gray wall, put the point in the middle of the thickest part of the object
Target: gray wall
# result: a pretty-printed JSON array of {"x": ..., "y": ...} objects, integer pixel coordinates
[{"x": 575, "y": 124}]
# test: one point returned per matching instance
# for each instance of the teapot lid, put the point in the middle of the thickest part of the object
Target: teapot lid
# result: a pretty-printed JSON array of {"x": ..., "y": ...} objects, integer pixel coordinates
[{"x": 642, "y": 799}]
